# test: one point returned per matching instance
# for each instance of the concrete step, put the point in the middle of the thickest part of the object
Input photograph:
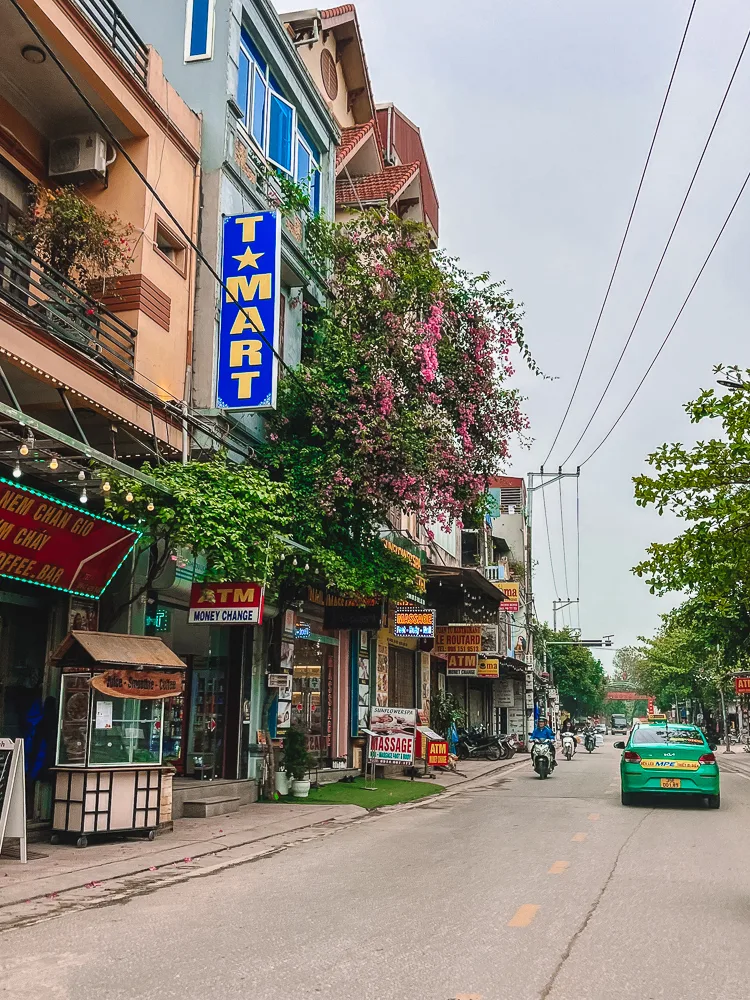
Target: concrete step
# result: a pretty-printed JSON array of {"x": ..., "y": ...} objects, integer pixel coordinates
[
  {"x": 327, "y": 775},
  {"x": 215, "y": 805}
]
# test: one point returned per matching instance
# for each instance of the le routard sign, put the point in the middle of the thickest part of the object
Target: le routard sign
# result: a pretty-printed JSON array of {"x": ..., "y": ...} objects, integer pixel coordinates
[{"x": 226, "y": 604}]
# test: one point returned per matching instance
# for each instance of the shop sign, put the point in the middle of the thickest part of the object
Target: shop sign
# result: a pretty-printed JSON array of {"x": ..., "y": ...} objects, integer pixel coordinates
[
  {"x": 392, "y": 735},
  {"x": 83, "y": 615},
  {"x": 510, "y": 595},
  {"x": 226, "y": 604},
  {"x": 416, "y": 623},
  {"x": 279, "y": 680},
  {"x": 141, "y": 684},
  {"x": 490, "y": 639},
  {"x": 437, "y": 753},
  {"x": 412, "y": 559},
  {"x": 461, "y": 665},
  {"x": 506, "y": 695},
  {"x": 54, "y": 544},
  {"x": 247, "y": 367},
  {"x": 159, "y": 620},
  {"x": 488, "y": 666},
  {"x": 302, "y": 630},
  {"x": 742, "y": 685},
  {"x": 458, "y": 639},
  {"x": 529, "y": 699},
  {"x": 352, "y": 612}
]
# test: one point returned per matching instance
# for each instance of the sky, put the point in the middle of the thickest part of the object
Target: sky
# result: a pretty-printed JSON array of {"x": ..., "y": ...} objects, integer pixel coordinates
[{"x": 537, "y": 117}]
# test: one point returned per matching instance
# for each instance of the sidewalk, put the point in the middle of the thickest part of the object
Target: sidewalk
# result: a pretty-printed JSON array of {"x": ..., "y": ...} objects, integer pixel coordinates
[
  {"x": 195, "y": 846},
  {"x": 737, "y": 762}
]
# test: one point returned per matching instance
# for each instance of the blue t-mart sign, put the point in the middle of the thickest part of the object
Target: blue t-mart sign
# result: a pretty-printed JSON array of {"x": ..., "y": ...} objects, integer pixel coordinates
[{"x": 247, "y": 367}]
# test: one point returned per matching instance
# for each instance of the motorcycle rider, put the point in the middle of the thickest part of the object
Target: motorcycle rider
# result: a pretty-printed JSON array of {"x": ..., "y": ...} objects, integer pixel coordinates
[{"x": 544, "y": 732}]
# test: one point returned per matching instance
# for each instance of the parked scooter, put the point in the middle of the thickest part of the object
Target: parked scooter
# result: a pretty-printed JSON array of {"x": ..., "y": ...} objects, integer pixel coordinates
[
  {"x": 472, "y": 744},
  {"x": 568, "y": 745},
  {"x": 507, "y": 746},
  {"x": 541, "y": 757}
]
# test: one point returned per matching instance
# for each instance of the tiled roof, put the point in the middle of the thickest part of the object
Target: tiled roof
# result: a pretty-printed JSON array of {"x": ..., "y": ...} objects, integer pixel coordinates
[
  {"x": 384, "y": 186},
  {"x": 351, "y": 138},
  {"x": 347, "y": 8}
]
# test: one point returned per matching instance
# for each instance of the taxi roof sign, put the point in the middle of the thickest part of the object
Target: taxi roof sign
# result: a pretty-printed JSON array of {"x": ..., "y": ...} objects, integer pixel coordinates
[{"x": 657, "y": 718}]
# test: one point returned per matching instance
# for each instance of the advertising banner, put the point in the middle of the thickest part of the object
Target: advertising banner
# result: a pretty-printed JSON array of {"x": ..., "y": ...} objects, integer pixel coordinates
[
  {"x": 392, "y": 735},
  {"x": 458, "y": 639},
  {"x": 226, "y": 604},
  {"x": 490, "y": 639},
  {"x": 414, "y": 622},
  {"x": 54, "y": 544},
  {"x": 461, "y": 665},
  {"x": 141, "y": 684},
  {"x": 488, "y": 666},
  {"x": 510, "y": 600},
  {"x": 247, "y": 368}
]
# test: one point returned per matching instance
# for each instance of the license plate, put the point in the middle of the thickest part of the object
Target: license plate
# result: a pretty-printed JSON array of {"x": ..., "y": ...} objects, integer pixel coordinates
[{"x": 670, "y": 782}]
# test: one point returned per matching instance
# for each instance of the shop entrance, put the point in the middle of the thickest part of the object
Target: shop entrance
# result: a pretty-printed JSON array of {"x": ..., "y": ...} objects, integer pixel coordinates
[
  {"x": 23, "y": 649},
  {"x": 401, "y": 688}
]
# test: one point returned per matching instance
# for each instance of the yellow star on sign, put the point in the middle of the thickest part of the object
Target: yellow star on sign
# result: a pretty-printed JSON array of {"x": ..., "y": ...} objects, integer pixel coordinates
[{"x": 248, "y": 258}]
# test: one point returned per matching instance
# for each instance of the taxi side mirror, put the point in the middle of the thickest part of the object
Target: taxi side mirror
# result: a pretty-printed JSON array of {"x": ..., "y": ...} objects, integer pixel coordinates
[
  {"x": 619, "y": 746},
  {"x": 713, "y": 746}
]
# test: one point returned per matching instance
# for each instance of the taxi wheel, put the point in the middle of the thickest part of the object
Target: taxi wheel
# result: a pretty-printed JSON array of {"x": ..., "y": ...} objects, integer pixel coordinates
[
  {"x": 714, "y": 801},
  {"x": 626, "y": 798}
]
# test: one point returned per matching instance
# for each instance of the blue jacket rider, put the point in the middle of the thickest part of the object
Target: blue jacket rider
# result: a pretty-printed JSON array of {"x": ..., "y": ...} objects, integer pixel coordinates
[{"x": 542, "y": 731}]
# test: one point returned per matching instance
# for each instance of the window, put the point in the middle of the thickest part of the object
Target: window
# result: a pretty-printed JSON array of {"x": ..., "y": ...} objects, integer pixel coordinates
[
  {"x": 199, "y": 29},
  {"x": 273, "y": 122},
  {"x": 170, "y": 246}
]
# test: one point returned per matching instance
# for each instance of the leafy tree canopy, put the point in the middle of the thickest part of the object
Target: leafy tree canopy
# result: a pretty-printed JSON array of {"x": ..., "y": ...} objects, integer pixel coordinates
[{"x": 579, "y": 677}]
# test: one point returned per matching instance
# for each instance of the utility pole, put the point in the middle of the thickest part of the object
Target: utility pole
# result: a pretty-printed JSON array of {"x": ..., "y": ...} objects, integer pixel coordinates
[
  {"x": 544, "y": 479},
  {"x": 558, "y": 606}
]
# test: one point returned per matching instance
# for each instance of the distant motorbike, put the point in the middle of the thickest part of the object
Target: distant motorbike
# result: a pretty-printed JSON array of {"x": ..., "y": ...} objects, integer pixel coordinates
[
  {"x": 541, "y": 758},
  {"x": 589, "y": 741},
  {"x": 568, "y": 745}
]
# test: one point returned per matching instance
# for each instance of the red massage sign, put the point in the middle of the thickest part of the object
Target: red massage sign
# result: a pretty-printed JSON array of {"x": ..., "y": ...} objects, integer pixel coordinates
[{"x": 54, "y": 544}]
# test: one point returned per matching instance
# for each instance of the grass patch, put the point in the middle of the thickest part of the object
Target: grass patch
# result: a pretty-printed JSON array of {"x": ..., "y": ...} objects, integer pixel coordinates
[{"x": 389, "y": 791}]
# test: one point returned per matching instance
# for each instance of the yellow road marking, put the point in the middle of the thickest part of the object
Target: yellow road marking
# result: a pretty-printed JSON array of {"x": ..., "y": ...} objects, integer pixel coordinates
[
  {"x": 523, "y": 915},
  {"x": 593, "y": 817},
  {"x": 558, "y": 868},
  {"x": 579, "y": 837}
]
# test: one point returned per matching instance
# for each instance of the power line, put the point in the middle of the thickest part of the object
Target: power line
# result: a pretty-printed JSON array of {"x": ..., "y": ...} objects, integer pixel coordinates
[
  {"x": 676, "y": 320},
  {"x": 578, "y": 554},
  {"x": 549, "y": 545},
  {"x": 664, "y": 251},
  {"x": 562, "y": 535},
  {"x": 625, "y": 235},
  {"x": 118, "y": 145}
]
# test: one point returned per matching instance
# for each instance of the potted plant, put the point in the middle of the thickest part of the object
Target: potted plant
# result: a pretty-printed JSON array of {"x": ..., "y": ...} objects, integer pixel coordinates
[
  {"x": 297, "y": 761},
  {"x": 282, "y": 778}
]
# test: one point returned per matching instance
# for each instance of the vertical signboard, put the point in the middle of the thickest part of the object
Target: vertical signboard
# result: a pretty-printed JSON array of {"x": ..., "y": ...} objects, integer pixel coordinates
[{"x": 247, "y": 368}]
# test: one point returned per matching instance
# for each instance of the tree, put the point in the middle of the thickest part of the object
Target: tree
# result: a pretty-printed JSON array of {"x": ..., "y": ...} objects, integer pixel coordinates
[
  {"x": 707, "y": 486},
  {"x": 579, "y": 677},
  {"x": 625, "y": 663}
]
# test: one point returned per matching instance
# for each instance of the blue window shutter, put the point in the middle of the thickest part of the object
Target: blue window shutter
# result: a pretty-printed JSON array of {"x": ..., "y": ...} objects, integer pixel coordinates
[
  {"x": 258, "y": 123},
  {"x": 315, "y": 199},
  {"x": 199, "y": 27},
  {"x": 253, "y": 50},
  {"x": 280, "y": 133},
  {"x": 243, "y": 84},
  {"x": 304, "y": 163}
]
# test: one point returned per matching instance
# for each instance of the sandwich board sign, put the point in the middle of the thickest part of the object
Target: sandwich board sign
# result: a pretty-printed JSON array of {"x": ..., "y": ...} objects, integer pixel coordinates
[{"x": 12, "y": 793}]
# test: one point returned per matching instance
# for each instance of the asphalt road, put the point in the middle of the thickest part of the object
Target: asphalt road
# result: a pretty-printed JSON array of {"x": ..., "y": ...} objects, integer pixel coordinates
[{"x": 522, "y": 890}]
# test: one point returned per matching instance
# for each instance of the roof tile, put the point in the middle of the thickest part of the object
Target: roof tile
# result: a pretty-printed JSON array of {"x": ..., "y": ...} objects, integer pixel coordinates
[
  {"x": 351, "y": 138},
  {"x": 375, "y": 187},
  {"x": 347, "y": 8}
]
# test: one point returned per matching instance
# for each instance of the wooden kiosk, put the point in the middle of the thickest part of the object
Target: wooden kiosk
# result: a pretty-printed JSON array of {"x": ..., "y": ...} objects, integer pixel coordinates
[{"x": 109, "y": 776}]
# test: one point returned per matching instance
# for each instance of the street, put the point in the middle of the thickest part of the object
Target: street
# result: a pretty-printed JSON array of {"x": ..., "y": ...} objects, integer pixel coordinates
[{"x": 522, "y": 888}]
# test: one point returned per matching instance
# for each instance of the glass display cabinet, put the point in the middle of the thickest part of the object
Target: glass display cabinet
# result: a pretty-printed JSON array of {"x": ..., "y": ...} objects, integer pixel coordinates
[{"x": 110, "y": 776}]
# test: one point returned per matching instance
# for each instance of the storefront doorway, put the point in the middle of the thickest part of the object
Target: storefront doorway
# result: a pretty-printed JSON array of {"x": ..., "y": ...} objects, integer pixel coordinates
[
  {"x": 23, "y": 650},
  {"x": 312, "y": 692},
  {"x": 401, "y": 687}
]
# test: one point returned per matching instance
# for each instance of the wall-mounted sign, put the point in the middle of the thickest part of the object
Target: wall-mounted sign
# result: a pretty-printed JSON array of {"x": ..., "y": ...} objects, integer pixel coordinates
[
  {"x": 159, "y": 620},
  {"x": 226, "y": 604},
  {"x": 418, "y": 623},
  {"x": 742, "y": 685},
  {"x": 488, "y": 666},
  {"x": 142, "y": 684},
  {"x": 54, "y": 544},
  {"x": 510, "y": 595},
  {"x": 279, "y": 680},
  {"x": 458, "y": 639},
  {"x": 410, "y": 557},
  {"x": 490, "y": 638},
  {"x": 461, "y": 665},
  {"x": 506, "y": 695},
  {"x": 247, "y": 370},
  {"x": 302, "y": 630},
  {"x": 352, "y": 612}
]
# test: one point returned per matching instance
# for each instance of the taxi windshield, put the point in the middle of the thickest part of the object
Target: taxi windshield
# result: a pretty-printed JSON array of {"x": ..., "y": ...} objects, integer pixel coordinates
[{"x": 666, "y": 734}]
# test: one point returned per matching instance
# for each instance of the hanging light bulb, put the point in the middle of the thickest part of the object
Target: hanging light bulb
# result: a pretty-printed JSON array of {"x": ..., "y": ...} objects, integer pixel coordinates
[
  {"x": 83, "y": 497},
  {"x": 26, "y": 444},
  {"x": 150, "y": 505},
  {"x": 53, "y": 463},
  {"x": 105, "y": 486},
  {"x": 282, "y": 557},
  {"x": 23, "y": 449},
  {"x": 81, "y": 476},
  {"x": 128, "y": 497},
  {"x": 307, "y": 565},
  {"x": 294, "y": 561},
  {"x": 17, "y": 471}
]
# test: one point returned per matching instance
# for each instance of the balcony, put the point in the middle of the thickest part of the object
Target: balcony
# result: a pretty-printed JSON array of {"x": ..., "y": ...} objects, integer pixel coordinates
[
  {"x": 37, "y": 291},
  {"x": 119, "y": 34}
]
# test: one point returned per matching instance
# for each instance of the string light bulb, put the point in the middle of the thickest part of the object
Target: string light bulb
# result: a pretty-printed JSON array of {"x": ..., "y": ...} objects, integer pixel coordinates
[
  {"x": 53, "y": 463},
  {"x": 150, "y": 505},
  {"x": 294, "y": 561},
  {"x": 17, "y": 471},
  {"x": 23, "y": 449},
  {"x": 128, "y": 497},
  {"x": 106, "y": 486},
  {"x": 307, "y": 565},
  {"x": 81, "y": 476},
  {"x": 83, "y": 497}
]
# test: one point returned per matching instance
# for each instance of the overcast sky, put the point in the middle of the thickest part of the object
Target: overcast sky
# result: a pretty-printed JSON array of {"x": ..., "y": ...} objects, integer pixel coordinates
[{"x": 537, "y": 116}]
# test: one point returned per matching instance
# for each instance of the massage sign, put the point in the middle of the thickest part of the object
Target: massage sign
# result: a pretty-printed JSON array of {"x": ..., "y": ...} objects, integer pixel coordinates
[{"x": 54, "y": 544}]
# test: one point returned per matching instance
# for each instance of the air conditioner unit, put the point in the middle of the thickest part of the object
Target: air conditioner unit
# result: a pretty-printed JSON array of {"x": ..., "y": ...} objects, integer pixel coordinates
[{"x": 76, "y": 155}]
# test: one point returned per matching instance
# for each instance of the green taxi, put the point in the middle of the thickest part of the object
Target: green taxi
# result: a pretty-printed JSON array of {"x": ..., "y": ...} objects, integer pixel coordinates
[{"x": 665, "y": 758}]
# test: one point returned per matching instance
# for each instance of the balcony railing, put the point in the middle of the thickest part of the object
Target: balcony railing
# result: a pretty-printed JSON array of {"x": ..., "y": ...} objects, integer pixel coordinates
[
  {"x": 114, "y": 27},
  {"x": 60, "y": 308}
]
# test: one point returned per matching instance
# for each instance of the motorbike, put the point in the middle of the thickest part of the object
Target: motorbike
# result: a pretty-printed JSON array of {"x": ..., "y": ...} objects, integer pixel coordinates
[
  {"x": 589, "y": 741},
  {"x": 472, "y": 743},
  {"x": 507, "y": 746},
  {"x": 568, "y": 745},
  {"x": 541, "y": 758}
]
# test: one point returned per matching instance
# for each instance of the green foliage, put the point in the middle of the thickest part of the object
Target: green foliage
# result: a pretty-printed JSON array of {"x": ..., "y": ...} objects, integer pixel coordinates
[
  {"x": 64, "y": 229},
  {"x": 297, "y": 759},
  {"x": 625, "y": 663},
  {"x": 579, "y": 677},
  {"x": 445, "y": 712},
  {"x": 708, "y": 487}
]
